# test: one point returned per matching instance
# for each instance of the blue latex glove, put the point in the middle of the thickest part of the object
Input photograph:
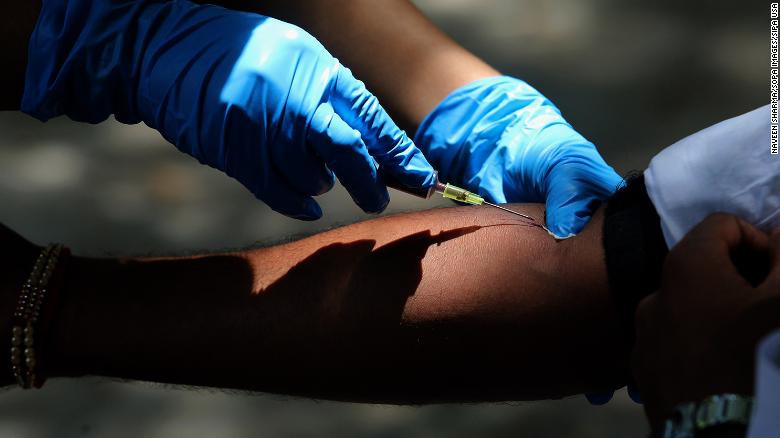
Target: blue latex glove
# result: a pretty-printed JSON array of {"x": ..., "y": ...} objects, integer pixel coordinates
[
  {"x": 257, "y": 98},
  {"x": 501, "y": 138},
  {"x": 604, "y": 398}
]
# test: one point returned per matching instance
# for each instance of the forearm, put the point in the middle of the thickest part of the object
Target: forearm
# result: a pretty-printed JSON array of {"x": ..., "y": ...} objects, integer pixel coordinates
[
  {"x": 17, "y": 20},
  {"x": 452, "y": 304},
  {"x": 402, "y": 57}
]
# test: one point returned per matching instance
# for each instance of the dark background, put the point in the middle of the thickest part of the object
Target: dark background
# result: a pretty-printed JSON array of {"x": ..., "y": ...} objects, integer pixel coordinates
[{"x": 632, "y": 76}]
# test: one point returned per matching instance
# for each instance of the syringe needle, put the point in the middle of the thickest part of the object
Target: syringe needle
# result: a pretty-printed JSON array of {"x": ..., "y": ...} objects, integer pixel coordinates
[
  {"x": 450, "y": 192},
  {"x": 511, "y": 211}
]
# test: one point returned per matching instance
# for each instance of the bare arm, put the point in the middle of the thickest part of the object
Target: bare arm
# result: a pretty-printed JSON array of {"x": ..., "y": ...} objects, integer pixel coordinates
[{"x": 445, "y": 305}]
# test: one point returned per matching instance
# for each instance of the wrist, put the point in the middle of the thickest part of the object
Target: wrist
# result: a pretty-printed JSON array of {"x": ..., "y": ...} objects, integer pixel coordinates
[
  {"x": 81, "y": 328},
  {"x": 17, "y": 261},
  {"x": 153, "y": 319},
  {"x": 722, "y": 363},
  {"x": 64, "y": 352},
  {"x": 715, "y": 416},
  {"x": 698, "y": 382},
  {"x": 725, "y": 431}
]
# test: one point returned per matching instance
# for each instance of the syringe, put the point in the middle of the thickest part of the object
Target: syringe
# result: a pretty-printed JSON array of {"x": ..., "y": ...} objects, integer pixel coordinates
[{"x": 448, "y": 191}]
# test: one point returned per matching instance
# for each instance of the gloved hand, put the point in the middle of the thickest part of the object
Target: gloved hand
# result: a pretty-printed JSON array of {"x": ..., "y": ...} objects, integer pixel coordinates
[
  {"x": 501, "y": 138},
  {"x": 725, "y": 168},
  {"x": 257, "y": 98}
]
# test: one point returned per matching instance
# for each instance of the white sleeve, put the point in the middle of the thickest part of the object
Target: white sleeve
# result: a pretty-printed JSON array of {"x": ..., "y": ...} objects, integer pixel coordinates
[
  {"x": 725, "y": 168},
  {"x": 765, "y": 422}
]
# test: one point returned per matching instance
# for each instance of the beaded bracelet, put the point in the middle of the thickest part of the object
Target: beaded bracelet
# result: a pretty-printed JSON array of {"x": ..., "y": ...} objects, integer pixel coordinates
[{"x": 29, "y": 309}]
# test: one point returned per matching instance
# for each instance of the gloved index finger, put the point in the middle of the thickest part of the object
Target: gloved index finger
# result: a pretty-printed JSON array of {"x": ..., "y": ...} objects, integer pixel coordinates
[
  {"x": 386, "y": 142},
  {"x": 342, "y": 149}
]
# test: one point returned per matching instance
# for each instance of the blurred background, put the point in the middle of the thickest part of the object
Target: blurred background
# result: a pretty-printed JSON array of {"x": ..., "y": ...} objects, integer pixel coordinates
[{"x": 631, "y": 76}]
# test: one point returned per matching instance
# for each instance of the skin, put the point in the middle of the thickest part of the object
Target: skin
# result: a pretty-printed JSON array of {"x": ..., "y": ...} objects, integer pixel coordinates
[
  {"x": 457, "y": 304},
  {"x": 697, "y": 336}
]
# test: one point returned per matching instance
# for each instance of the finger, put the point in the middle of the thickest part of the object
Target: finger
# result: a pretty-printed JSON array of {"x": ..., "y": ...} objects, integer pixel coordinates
[
  {"x": 576, "y": 189},
  {"x": 306, "y": 173},
  {"x": 284, "y": 199},
  {"x": 633, "y": 392},
  {"x": 727, "y": 232},
  {"x": 721, "y": 235},
  {"x": 599, "y": 399},
  {"x": 385, "y": 141},
  {"x": 643, "y": 316},
  {"x": 728, "y": 245},
  {"x": 343, "y": 150},
  {"x": 569, "y": 218}
]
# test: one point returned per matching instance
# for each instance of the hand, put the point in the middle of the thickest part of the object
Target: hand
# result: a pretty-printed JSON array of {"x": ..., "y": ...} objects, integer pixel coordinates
[
  {"x": 257, "y": 98},
  {"x": 696, "y": 336},
  {"x": 503, "y": 139}
]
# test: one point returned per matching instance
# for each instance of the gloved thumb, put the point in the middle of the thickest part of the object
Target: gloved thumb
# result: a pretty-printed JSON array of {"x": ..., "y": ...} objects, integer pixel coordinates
[{"x": 567, "y": 218}]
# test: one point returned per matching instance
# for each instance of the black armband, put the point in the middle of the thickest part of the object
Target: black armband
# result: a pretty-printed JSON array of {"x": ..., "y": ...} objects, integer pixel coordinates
[{"x": 634, "y": 249}]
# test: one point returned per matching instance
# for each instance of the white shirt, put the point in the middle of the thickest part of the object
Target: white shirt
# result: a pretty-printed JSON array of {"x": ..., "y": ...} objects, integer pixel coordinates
[{"x": 725, "y": 168}]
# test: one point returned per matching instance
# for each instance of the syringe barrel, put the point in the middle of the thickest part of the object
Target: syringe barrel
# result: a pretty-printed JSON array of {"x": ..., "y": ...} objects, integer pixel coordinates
[{"x": 461, "y": 195}]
